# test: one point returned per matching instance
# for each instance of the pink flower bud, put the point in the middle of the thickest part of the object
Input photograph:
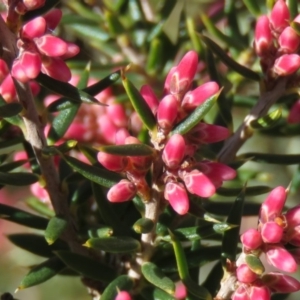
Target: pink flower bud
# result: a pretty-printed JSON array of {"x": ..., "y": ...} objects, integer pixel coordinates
[
  {"x": 287, "y": 64},
  {"x": 53, "y": 18},
  {"x": 72, "y": 50},
  {"x": 121, "y": 136},
  {"x": 289, "y": 40},
  {"x": 293, "y": 235},
  {"x": 174, "y": 150},
  {"x": 217, "y": 171},
  {"x": 3, "y": 70},
  {"x": 176, "y": 194},
  {"x": 240, "y": 294},
  {"x": 293, "y": 216},
  {"x": 180, "y": 291},
  {"x": 33, "y": 4},
  {"x": 112, "y": 162},
  {"x": 56, "y": 68},
  {"x": 294, "y": 113},
  {"x": 259, "y": 292},
  {"x": 117, "y": 113},
  {"x": 168, "y": 80},
  {"x": 263, "y": 39},
  {"x": 51, "y": 45},
  {"x": 40, "y": 192},
  {"x": 273, "y": 205},
  {"x": 107, "y": 129},
  {"x": 167, "y": 112},
  {"x": 280, "y": 258},
  {"x": 281, "y": 283},
  {"x": 208, "y": 133},
  {"x": 271, "y": 232},
  {"x": 198, "y": 96},
  {"x": 150, "y": 98},
  {"x": 251, "y": 239},
  {"x": 280, "y": 16},
  {"x": 244, "y": 274},
  {"x": 122, "y": 191},
  {"x": 34, "y": 28},
  {"x": 199, "y": 184},
  {"x": 123, "y": 295}
]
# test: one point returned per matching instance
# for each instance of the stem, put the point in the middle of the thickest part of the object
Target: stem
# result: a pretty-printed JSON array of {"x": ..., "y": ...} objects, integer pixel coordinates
[
  {"x": 266, "y": 100},
  {"x": 34, "y": 134},
  {"x": 147, "y": 10}
]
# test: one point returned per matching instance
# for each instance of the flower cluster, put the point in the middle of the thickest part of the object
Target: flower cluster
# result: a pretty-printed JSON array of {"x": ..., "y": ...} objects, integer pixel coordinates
[
  {"x": 277, "y": 42},
  {"x": 40, "y": 50},
  {"x": 181, "y": 173},
  {"x": 22, "y": 6},
  {"x": 277, "y": 232}
]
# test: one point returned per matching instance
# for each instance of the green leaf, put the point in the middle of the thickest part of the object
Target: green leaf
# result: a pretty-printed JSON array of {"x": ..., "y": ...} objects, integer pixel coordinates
[
  {"x": 100, "y": 176},
  {"x": 150, "y": 293},
  {"x": 279, "y": 159},
  {"x": 222, "y": 227},
  {"x": 13, "y": 165},
  {"x": 139, "y": 103},
  {"x": 11, "y": 142},
  {"x": 156, "y": 277},
  {"x": 22, "y": 217},
  {"x": 114, "y": 26},
  {"x": 18, "y": 178},
  {"x": 231, "y": 237},
  {"x": 196, "y": 116},
  {"x": 255, "y": 264},
  {"x": 268, "y": 121},
  {"x": 10, "y": 109},
  {"x": 249, "y": 191},
  {"x": 154, "y": 57},
  {"x": 231, "y": 63},
  {"x": 199, "y": 291},
  {"x": 293, "y": 8},
  {"x": 114, "y": 5},
  {"x": 253, "y": 7},
  {"x": 121, "y": 283},
  {"x": 55, "y": 228},
  {"x": 102, "y": 232},
  {"x": 143, "y": 225},
  {"x": 16, "y": 119},
  {"x": 128, "y": 150},
  {"x": 114, "y": 244},
  {"x": 66, "y": 89},
  {"x": 36, "y": 244},
  {"x": 86, "y": 266},
  {"x": 42, "y": 272},
  {"x": 40, "y": 207}
]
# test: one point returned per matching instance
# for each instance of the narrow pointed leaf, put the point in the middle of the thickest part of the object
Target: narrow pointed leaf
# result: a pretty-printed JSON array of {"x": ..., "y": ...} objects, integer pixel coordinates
[
  {"x": 114, "y": 244},
  {"x": 231, "y": 63},
  {"x": 40, "y": 207},
  {"x": 293, "y": 8},
  {"x": 16, "y": 119},
  {"x": 11, "y": 142},
  {"x": 143, "y": 225},
  {"x": 231, "y": 237},
  {"x": 66, "y": 89},
  {"x": 199, "y": 291},
  {"x": 36, "y": 244},
  {"x": 128, "y": 150},
  {"x": 87, "y": 267},
  {"x": 222, "y": 227},
  {"x": 121, "y": 283},
  {"x": 13, "y": 165},
  {"x": 42, "y": 272},
  {"x": 267, "y": 121},
  {"x": 139, "y": 104},
  {"x": 114, "y": 5},
  {"x": 279, "y": 159},
  {"x": 255, "y": 264},
  {"x": 10, "y": 110},
  {"x": 22, "y": 217},
  {"x": 55, "y": 228},
  {"x": 154, "y": 57},
  {"x": 249, "y": 191},
  {"x": 253, "y": 7},
  {"x": 156, "y": 277},
  {"x": 196, "y": 116},
  {"x": 114, "y": 26},
  {"x": 18, "y": 178},
  {"x": 95, "y": 174}
]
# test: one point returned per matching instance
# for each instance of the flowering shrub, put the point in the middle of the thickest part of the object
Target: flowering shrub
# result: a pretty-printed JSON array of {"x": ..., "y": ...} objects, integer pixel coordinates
[{"x": 132, "y": 158}]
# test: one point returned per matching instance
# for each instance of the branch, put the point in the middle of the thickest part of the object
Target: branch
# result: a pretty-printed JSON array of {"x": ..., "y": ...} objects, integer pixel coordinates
[
  {"x": 266, "y": 100},
  {"x": 34, "y": 134}
]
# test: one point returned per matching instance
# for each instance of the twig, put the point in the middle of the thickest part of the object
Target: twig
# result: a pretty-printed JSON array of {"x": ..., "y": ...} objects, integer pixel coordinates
[{"x": 266, "y": 100}]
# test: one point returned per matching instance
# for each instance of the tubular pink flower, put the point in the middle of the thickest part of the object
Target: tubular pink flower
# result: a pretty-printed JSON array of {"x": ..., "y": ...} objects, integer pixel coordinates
[
  {"x": 271, "y": 232},
  {"x": 198, "y": 96},
  {"x": 117, "y": 113},
  {"x": 7, "y": 89},
  {"x": 217, "y": 171},
  {"x": 122, "y": 191},
  {"x": 150, "y": 98},
  {"x": 53, "y": 18},
  {"x": 168, "y": 80},
  {"x": 107, "y": 128},
  {"x": 287, "y": 64},
  {"x": 112, "y": 162},
  {"x": 293, "y": 216},
  {"x": 208, "y": 133},
  {"x": 174, "y": 150},
  {"x": 280, "y": 258},
  {"x": 72, "y": 50},
  {"x": 259, "y": 292},
  {"x": 280, "y": 16},
  {"x": 289, "y": 40},
  {"x": 176, "y": 194},
  {"x": 244, "y": 274},
  {"x": 51, "y": 45},
  {"x": 293, "y": 235},
  {"x": 34, "y": 28},
  {"x": 294, "y": 113},
  {"x": 263, "y": 39},
  {"x": 240, "y": 294},
  {"x": 56, "y": 68},
  {"x": 180, "y": 291},
  {"x": 281, "y": 283},
  {"x": 167, "y": 112},
  {"x": 199, "y": 184},
  {"x": 273, "y": 205},
  {"x": 123, "y": 295},
  {"x": 121, "y": 136},
  {"x": 251, "y": 239},
  {"x": 4, "y": 71}
]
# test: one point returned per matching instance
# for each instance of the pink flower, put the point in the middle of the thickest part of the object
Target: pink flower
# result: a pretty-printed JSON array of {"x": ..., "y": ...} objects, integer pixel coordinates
[
  {"x": 176, "y": 194},
  {"x": 263, "y": 39},
  {"x": 287, "y": 64},
  {"x": 123, "y": 295},
  {"x": 280, "y": 16},
  {"x": 122, "y": 191}
]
